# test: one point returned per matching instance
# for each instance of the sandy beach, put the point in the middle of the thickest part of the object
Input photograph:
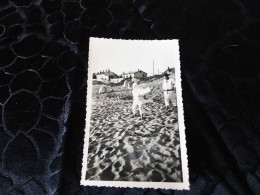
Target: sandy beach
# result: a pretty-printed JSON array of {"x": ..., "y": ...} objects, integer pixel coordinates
[{"x": 127, "y": 148}]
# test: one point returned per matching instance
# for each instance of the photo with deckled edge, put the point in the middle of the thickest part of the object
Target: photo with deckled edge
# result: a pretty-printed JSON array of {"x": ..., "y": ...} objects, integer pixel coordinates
[{"x": 135, "y": 133}]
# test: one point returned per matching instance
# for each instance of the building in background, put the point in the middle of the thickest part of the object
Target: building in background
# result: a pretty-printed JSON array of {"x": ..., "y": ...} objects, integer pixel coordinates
[
  {"x": 169, "y": 70},
  {"x": 135, "y": 74},
  {"x": 105, "y": 75}
]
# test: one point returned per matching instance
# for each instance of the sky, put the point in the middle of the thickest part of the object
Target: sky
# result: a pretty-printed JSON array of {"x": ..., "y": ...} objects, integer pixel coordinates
[{"x": 127, "y": 55}]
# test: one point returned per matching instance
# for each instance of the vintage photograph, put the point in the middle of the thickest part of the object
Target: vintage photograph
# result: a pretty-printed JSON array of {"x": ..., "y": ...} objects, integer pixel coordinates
[{"x": 135, "y": 134}]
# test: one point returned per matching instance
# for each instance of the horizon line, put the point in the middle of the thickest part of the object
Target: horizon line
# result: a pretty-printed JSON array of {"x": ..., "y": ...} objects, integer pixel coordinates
[{"x": 106, "y": 70}]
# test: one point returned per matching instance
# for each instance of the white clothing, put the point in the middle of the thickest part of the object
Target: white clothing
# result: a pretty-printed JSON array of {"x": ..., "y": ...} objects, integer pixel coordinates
[
  {"x": 129, "y": 85},
  {"x": 168, "y": 84},
  {"x": 125, "y": 84},
  {"x": 138, "y": 96},
  {"x": 139, "y": 92},
  {"x": 104, "y": 89},
  {"x": 169, "y": 92}
]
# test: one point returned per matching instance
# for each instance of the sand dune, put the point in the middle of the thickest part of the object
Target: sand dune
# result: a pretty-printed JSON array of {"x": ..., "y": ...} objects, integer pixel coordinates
[{"x": 124, "y": 148}]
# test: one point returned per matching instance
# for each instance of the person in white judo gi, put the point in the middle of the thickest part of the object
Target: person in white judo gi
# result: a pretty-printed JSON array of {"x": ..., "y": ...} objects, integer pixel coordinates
[
  {"x": 169, "y": 91},
  {"x": 138, "y": 97}
]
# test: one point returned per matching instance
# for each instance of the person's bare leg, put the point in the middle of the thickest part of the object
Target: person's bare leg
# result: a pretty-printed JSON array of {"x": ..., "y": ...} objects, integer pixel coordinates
[
  {"x": 141, "y": 110},
  {"x": 174, "y": 103},
  {"x": 134, "y": 108},
  {"x": 167, "y": 102}
]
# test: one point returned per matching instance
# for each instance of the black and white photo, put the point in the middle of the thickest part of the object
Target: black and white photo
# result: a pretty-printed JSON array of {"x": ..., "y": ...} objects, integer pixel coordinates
[{"x": 135, "y": 133}]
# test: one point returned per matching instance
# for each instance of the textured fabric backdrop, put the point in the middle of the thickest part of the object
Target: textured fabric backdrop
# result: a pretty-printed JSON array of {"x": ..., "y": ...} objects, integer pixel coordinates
[{"x": 43, "y": 73}]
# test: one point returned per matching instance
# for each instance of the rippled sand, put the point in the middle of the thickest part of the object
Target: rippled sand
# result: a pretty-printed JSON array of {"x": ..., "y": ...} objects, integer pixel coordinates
[{"x": 124, "y": 148}]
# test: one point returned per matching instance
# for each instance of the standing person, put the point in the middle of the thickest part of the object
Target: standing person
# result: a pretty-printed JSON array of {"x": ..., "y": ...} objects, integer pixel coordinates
[
  {"x": 109, "y": 84},
  {"x": 125, "y": 83},
  {"x": 102, "y": 89},
  {"x": 129, "y": 84},
  {"x": 138, "y": 97},
  {"x": 169, "y": 91}
]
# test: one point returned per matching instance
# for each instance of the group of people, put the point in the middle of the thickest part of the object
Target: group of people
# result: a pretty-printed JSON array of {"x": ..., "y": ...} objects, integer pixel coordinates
[{"x": 139, "y": 93}]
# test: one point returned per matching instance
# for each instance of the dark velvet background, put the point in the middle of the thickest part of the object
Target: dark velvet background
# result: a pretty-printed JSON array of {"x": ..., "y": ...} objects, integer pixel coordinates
[{"x": 43, "y": 73}]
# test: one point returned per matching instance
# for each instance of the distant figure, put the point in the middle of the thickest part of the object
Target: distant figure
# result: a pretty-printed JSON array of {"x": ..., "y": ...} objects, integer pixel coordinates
[
  {"x": 127, "y": 84},
  {"x": 102, "y": 89},
  {"x": 110, "y": 88},
  {"x": 109, "y": 85},
  {"x": 138, "y": 97},
  {"x": 169, "y": 89}
]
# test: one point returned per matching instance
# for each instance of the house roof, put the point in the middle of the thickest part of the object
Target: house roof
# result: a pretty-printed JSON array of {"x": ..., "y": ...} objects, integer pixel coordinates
[
  {"x": 169, "y": 70},
  {"x": 132, "y": 72},
  {"x": 109, "y": 73},
  {"x": 106, "y": 73}
]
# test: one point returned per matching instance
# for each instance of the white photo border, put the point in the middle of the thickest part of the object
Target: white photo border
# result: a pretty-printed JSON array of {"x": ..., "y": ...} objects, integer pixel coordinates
[{"x": 184, "y": 185}]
